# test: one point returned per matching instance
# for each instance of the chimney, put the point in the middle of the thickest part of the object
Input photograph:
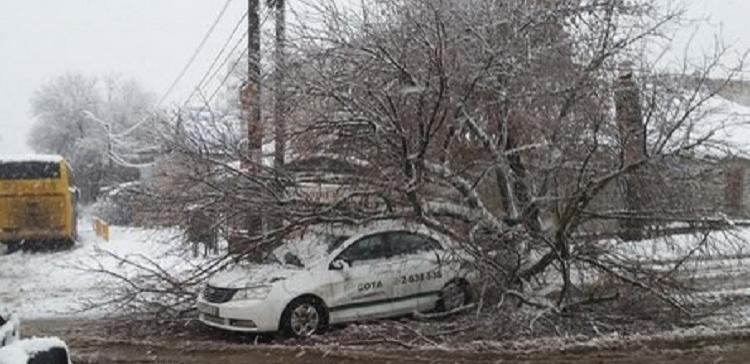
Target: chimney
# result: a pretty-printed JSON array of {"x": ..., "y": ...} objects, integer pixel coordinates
[{"x": 633, "y": 143}]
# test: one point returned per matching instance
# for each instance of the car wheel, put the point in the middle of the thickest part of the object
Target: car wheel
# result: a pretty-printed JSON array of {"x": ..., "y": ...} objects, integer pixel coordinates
[
  {"x": 454, "y": 295},
  {"x": 304, "y": 317}
]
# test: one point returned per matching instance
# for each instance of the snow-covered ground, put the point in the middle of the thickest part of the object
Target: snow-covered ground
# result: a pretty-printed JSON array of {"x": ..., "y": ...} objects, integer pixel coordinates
[
  {"x": 60, "y": 284},
  {"x": 40, "y": 285}
]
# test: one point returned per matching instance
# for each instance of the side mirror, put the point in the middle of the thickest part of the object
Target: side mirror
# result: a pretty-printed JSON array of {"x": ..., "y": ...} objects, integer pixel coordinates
[
  {"x": 339, "y": 264},
  {"x": 292, "y": 259}
]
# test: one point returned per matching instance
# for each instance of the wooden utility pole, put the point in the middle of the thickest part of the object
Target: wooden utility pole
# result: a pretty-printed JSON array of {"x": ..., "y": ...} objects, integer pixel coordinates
[
  {"x": 279, "y": 95},
  {"x": 251, "y": 223},
  {"x": 250, "y": 94}
]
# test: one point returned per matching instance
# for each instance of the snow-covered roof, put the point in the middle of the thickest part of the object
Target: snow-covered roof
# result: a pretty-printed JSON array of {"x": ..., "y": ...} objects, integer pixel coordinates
[
  {"x": 727, "y": 122},
  {"x": 717, "y": 127},
  {"x": 52, "y": 158}
]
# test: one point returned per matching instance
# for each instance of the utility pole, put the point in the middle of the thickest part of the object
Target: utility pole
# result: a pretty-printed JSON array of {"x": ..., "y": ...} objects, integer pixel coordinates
[
  {"x": 251, "y": 223},
  {"x": 250, "y": 94},
  {"x": 279, "y": 95}
]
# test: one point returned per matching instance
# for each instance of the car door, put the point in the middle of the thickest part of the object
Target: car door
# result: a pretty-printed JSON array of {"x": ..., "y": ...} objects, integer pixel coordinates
[
  {"x": 420, "y": 277},
  {"x": 361, "y": 287}
]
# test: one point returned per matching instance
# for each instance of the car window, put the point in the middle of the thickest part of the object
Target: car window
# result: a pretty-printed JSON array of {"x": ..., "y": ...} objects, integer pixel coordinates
[
  {"x": 368, "y": 248},
  {"x": 404, "y": 243}
]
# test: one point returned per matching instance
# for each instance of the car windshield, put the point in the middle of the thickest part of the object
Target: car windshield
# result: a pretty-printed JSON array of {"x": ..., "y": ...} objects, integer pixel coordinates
[
  {"x": 304, "y": 250},
  {"x": 335, "y": 241}
]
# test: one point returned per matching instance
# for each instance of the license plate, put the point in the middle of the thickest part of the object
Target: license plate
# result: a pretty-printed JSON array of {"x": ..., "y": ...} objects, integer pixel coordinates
[{"x": 208, "y": 309}]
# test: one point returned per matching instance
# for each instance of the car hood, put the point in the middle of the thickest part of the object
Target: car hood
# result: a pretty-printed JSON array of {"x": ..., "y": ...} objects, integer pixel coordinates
[{"x": 251, "y": 275}]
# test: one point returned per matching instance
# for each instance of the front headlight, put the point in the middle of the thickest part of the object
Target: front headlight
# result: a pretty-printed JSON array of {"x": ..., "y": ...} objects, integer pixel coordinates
[{"x": 253, "y": 293}]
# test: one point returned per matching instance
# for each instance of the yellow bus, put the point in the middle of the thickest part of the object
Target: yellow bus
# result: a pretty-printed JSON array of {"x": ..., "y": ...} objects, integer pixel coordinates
[{"x": 38, "y": 203}]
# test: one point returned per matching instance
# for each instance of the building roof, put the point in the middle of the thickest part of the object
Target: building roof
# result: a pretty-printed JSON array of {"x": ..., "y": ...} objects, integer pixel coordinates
[{"x": 724, "y": 124}]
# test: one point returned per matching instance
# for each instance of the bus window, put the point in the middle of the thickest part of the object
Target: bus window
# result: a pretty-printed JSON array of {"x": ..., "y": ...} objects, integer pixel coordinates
[{"x": 29, "y": 170}]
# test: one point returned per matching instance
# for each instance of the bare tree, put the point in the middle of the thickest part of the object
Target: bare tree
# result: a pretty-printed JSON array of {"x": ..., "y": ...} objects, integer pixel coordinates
[
  {"x": 527, "y": 131},
  {"x": 95, "y": 123},
  {"x": 497, "y": 123}
]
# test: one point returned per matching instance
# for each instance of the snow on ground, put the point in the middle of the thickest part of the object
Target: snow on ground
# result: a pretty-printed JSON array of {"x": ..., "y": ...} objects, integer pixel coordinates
[
  {"x": 45, "y": 285},
  {"x": 718, "y": 254},
  {"x": 716, "y": 245},
  {"x": 41, "y": 285}
]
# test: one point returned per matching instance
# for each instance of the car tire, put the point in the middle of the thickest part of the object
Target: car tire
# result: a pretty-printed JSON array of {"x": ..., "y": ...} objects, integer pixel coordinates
[
  {"x": 304, "y": 317},
  {"x": 454, "y": 295}
]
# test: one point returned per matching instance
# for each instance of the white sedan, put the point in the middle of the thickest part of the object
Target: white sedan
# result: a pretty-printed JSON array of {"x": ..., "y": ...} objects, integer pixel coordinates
[{"x": 336, "y": 278}]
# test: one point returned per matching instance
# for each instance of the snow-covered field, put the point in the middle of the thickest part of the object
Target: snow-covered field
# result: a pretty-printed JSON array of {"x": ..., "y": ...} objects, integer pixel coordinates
[{"x": 41, "y": 285}]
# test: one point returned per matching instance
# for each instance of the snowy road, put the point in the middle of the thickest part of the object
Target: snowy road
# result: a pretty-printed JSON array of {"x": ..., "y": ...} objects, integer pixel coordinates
[
  {"x": 39, "y": 285},
  {"x": 90, "y": 347}
]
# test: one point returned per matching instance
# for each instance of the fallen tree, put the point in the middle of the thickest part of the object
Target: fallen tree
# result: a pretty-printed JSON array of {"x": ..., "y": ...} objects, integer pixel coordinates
[{"x": 524, "y": 130}]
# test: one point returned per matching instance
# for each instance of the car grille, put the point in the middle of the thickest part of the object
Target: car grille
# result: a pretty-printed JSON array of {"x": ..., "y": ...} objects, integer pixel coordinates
[{"x": 218, "y": 295}]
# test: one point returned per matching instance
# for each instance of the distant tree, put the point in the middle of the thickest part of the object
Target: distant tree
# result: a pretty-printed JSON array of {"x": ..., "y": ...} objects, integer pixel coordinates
[{"x": 88, "y": 120}]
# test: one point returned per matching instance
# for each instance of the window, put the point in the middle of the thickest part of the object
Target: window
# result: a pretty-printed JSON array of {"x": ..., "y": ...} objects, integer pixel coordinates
[
  {"x": 368, "y": 248},
  {"x": 403, "y": 243},
  {"x": 29, "y": 170}
]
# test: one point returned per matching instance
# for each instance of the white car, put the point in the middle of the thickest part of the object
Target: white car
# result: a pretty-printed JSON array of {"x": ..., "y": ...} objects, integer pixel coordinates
[
  {"x": 336, "y": 278},
  {"x": 14, "y": 350}
]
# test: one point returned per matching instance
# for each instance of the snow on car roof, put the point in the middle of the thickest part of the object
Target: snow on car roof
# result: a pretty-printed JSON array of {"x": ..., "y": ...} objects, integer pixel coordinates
[
  {"x": 52, "y": 158},
  {"x": 37, "y": 344},
  {"x": 20, "y": 351},
  {"x": 13, "y": 354}
]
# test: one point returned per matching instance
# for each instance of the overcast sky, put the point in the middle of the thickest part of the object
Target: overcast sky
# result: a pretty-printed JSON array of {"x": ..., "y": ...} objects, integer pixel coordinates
[{"x": 151, "y": 40}]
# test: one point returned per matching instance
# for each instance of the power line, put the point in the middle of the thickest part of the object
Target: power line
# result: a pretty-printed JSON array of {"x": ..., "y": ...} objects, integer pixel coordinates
[
  {"x": 237, "y": 62},
  {"x": 210, "y": 73},
  {"x": 234, "y": 65},
  {"x": 226, "y": 78},
  {"x": 195, "y": 53}
]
